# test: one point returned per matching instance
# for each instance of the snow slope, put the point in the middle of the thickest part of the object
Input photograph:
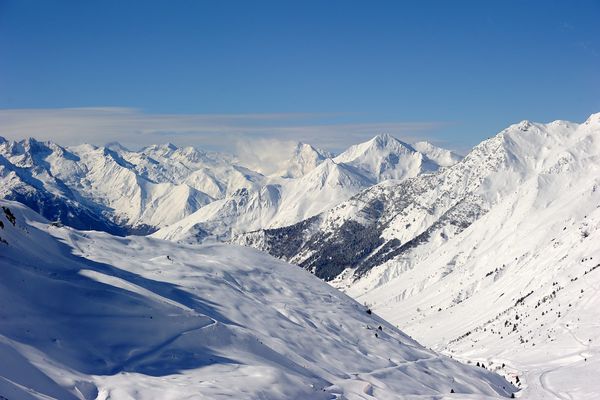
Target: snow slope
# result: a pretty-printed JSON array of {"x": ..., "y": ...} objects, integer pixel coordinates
[
  {"x": 89, "y": 315},
  {"x": 493, "y": 259}
]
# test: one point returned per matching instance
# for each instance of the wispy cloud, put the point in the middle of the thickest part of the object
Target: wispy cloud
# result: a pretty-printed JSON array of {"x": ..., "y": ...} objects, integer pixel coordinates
[{"x": 135, "y": 128}]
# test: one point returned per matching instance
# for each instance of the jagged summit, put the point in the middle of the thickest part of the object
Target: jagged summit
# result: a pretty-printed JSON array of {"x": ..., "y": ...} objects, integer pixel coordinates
[
  {"x": 385, "y": 139},
  {"x": 378, "y": 144},
  {"x": 33, "y": 146}
]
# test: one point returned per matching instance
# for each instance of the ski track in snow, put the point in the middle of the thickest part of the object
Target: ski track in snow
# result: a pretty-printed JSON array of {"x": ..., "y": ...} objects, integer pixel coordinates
[{"x": 159, "y": 347}]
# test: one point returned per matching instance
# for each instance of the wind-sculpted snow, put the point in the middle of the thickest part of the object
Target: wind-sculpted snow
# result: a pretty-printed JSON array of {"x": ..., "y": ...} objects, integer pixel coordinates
[{"x": 90, "y": 315}]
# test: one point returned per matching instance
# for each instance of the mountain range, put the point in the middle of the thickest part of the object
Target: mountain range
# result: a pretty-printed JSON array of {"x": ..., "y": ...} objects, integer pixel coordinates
[{"x": 113, "y": 189}]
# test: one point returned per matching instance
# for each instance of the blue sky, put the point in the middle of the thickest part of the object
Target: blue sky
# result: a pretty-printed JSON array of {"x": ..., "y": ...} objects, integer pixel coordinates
[{"x": 330, "y": 72}]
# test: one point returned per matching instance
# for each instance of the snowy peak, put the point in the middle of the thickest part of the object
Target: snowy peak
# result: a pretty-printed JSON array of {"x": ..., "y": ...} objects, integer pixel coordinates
[
  {"x": 385, "y": 157},
  {"x": 160, "y": 150},
  {"x": 30, "y": 152},
  {"x": 191, "y": 154},
  {"x": 385, "y": 140},
  {"x": 321, "y": 153},
  {"x": 374, "y": 148},
  {"x": 528, "y": 148}
]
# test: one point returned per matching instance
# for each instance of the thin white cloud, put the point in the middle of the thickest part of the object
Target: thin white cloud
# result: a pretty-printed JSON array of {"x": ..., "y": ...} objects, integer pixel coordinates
[
  {"x": 266, "y": 156},
  {"x": 134, "y": 128}
]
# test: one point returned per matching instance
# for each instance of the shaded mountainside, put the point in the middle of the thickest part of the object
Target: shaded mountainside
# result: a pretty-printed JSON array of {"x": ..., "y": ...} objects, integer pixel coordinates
[{"x": 88, "y": 315}]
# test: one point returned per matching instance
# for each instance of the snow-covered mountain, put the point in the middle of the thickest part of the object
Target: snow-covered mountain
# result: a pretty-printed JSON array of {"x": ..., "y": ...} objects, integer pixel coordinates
[
  {"x": 113, "y": 189},
  {"x": 116, "y": 190},
  {"x": 285, "y": 202},
  {"x": 87, "y": 315},
  {"x": 494, "y": 258},
  {"x": 25, "y": 176},
  {"x": 385, "y": 157},
  {"x": 491, "y": 257}
]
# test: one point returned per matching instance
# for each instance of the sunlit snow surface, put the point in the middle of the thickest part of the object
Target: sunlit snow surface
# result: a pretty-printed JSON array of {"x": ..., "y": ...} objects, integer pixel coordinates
[{"x": 89, "y": 315}]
